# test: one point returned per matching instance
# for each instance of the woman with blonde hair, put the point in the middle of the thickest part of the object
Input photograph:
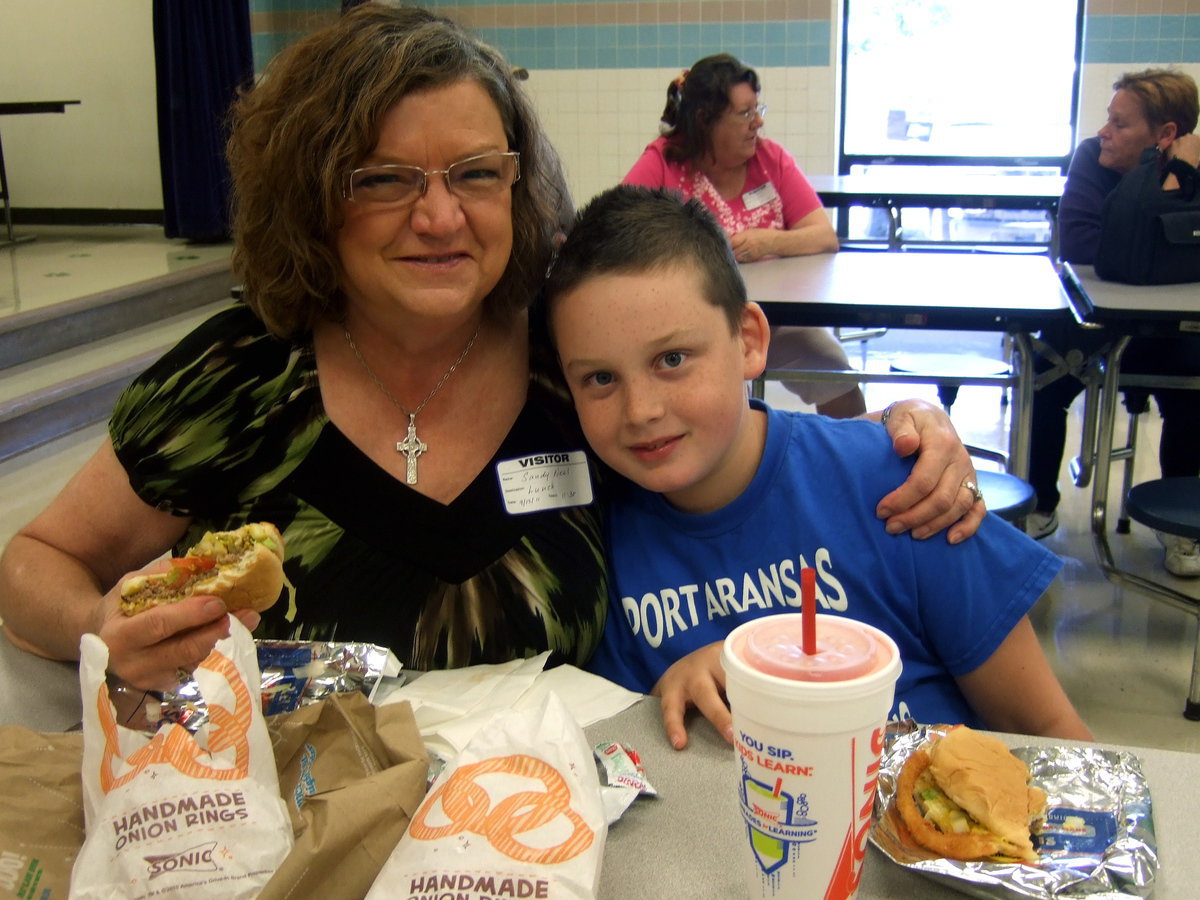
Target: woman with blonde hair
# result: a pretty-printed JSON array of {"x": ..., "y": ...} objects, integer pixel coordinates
[{"x": 1151, "y": 113}]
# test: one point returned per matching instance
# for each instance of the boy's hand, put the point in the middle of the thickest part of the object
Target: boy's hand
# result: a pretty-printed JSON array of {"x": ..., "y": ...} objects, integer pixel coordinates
[
  {"x": 934, "y": 496},
  {"x": 695, "y": 680}
]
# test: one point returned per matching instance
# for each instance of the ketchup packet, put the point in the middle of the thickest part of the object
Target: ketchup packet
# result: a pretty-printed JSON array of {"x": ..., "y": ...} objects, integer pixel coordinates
[
  {"x": 179, "y": 814},
  {"x": 517, "y": 814}
]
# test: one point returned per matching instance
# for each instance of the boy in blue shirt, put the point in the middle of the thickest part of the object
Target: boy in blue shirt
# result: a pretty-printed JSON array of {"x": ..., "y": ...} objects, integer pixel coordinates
[{"x": 724, "y": 500}]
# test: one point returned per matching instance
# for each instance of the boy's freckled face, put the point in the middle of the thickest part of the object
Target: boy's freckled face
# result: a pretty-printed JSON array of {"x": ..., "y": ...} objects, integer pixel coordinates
[{"x": 658, "y": 380}]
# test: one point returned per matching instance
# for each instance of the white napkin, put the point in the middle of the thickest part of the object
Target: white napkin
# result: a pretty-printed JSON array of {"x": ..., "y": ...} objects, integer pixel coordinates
[{"x": 450, "y": 705}]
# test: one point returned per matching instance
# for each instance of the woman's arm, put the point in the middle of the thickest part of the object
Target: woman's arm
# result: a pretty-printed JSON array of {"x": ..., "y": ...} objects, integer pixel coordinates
[
  {"x": 1017, "y": 691},
  {"x": 1088, "y": 183},
  {"x": 60, "y": 579},
  {"x": 812, "y": 234}
]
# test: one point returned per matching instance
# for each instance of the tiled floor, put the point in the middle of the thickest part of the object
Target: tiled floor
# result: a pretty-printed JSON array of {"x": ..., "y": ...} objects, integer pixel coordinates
[
  {"x": 1125, "y": 660},
  {"x": 68, "y": 262}
]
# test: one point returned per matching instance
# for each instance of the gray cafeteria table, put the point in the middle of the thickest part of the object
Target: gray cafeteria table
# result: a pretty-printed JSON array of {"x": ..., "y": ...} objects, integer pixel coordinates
[
  {"x": 21, "y": 108},
  {"x": 929, "y": 291},
  {"x": 686, "y": 842},
  {"x": 934, "y": 189}
]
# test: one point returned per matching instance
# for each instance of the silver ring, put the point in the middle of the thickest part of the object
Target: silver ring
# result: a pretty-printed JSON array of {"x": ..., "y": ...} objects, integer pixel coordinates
[{"x": 974, "y": 489}]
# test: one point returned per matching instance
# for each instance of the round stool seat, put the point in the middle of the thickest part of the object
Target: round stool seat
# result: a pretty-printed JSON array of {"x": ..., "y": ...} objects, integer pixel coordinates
[
  {"x": 1007, "y": 495},
  {"x": 948, "y": 365},
  {"x": 1167, "y": 504}
]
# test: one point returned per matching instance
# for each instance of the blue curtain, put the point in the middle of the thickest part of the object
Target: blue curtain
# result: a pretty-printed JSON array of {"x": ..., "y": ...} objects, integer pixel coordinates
[{"x": 202, "y": 56}]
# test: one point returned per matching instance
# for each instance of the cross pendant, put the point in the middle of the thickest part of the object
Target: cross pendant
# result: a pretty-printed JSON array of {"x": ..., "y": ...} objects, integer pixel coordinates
[{"x": 412, "y": 447}]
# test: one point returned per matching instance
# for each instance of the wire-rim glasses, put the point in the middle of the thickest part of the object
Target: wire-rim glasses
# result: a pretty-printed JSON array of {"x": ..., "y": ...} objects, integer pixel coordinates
[
  {"x": 474, "y": 178},
  {"x": 747, "y": 115}
]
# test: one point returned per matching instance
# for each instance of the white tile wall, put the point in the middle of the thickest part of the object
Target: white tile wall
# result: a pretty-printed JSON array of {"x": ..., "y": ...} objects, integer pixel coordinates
[{"x": 600, "y": 119}]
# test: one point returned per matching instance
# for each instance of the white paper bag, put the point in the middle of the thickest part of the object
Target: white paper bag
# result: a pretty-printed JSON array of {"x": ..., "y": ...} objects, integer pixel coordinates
[
  {"x": 517, "y": 814},
  {"x": 177, "y": 815}
]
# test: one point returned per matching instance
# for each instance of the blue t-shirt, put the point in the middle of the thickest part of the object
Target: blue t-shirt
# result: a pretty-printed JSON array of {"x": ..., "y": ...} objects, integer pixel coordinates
[{"x": 680, "y": 581}]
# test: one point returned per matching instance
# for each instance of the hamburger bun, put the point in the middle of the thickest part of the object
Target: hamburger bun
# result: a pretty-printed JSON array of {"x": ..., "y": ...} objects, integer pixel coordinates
[
  {"x": 967, "y": 797},
  {"x": 243, "y": 567}
]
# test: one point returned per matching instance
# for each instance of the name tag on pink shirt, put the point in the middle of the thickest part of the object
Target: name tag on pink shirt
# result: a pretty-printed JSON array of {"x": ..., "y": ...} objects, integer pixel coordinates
[{"x": 760, "y": 196}]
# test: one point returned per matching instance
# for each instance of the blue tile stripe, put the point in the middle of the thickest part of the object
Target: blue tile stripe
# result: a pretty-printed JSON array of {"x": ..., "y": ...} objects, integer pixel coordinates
[
  {"x": 794, "y": 43},
  {"x": 1156, "y": 39},
  {"x": 1163, "y": 40}
]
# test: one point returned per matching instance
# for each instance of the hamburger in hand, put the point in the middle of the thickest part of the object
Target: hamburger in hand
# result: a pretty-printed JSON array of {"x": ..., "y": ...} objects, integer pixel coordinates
[
  {"x": 243, "y": 567},
  {"x": 965, "y": 796}
]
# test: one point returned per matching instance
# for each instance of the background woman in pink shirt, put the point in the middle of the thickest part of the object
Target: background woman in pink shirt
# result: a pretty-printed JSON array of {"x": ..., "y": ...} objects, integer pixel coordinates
[{"x": 711, "y": 149}]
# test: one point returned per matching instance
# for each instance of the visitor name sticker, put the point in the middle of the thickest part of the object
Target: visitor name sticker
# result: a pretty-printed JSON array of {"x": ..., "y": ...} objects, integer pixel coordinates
[{"x": 543, "y": 481}]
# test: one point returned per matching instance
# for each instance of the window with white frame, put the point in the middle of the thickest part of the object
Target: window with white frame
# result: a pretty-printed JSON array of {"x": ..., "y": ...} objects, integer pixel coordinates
[{"x": 978, "y": 85}]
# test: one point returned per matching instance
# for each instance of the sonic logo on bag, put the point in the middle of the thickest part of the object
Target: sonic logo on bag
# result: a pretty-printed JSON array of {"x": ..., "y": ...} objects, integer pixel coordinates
[
  {"x": 194, "y": 859},
  {"x": 462, "y": 803},
  {"x": 177, "y": 748}
]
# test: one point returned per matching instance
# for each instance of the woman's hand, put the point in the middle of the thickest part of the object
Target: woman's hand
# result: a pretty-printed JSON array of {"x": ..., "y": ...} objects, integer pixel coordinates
[
  {"x": 147, "y": 650},
  {"x": 1187, "y": 148},
  {"x": 695, "y": 680},
  {"x": 753, "y": 244},
  {"x": 934, "y": 496},
  {"x": 812, "y": 234}
]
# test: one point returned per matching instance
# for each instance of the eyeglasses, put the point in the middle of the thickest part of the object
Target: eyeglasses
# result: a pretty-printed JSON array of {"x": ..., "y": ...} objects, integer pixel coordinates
[
  {"x": 469, "y": 179},
  {"x": 747, "y": 115}
]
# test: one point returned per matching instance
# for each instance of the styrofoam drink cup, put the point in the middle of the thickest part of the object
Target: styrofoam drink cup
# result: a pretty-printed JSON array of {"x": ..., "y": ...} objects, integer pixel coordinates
[{"x": 808, "y": 730}]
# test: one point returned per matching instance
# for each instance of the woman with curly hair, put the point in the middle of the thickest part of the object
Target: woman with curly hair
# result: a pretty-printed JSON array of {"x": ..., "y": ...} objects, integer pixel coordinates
[{"x": 381, "y": 396}]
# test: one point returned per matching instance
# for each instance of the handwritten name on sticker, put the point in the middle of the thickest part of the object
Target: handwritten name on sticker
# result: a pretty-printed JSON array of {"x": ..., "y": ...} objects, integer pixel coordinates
[{"x": 544, "y": 481}]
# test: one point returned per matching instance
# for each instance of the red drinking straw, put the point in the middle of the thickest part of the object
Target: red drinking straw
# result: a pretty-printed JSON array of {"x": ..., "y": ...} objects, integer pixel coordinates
[{"x": 808, "y": 610}]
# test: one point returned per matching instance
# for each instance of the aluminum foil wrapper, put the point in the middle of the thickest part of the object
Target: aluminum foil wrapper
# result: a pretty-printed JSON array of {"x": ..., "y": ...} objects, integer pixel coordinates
[
  {"x": 294, "y": 674},
  {"x": 1097, "y": 840}
]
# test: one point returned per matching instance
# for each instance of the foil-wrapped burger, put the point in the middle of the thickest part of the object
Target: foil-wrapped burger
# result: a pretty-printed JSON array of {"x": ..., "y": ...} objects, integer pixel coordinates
[{"x": 965, "y": 796}]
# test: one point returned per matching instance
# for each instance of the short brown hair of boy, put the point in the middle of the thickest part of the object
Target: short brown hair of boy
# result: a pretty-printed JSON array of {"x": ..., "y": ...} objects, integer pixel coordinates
[
  {"x": 1165, "y": 95},
  {"x": 315, "y": 115},
  {"x": 629, "y": 230}
]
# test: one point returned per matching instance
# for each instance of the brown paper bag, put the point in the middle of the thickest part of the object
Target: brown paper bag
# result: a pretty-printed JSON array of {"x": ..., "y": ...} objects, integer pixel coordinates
[
  {"x": 352, "y": 775},
  {"x": 366, "y": 767},
  {"x": 41, "y": 826}
]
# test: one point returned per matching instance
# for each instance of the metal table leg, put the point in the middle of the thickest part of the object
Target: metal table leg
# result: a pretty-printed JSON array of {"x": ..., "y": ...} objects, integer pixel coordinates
[{"x": 1153, "y": 589}]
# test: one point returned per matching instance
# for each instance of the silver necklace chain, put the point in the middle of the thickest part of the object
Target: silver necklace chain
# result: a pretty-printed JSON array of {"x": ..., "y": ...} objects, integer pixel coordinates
[{"x": 412, "y": 446}]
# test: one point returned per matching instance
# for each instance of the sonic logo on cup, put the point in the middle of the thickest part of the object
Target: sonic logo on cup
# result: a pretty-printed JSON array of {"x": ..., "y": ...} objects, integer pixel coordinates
[
  {"x": 775, "y": 820},
  {"x": 778, "y": 821}
]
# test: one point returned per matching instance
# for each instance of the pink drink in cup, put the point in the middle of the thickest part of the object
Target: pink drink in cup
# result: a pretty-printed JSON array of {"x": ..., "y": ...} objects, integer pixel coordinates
[{"x": 808, "y": 729}]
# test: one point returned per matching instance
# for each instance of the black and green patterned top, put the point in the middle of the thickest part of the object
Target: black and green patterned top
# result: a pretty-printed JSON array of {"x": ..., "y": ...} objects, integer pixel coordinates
[{"x": 228, "y": 427}]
